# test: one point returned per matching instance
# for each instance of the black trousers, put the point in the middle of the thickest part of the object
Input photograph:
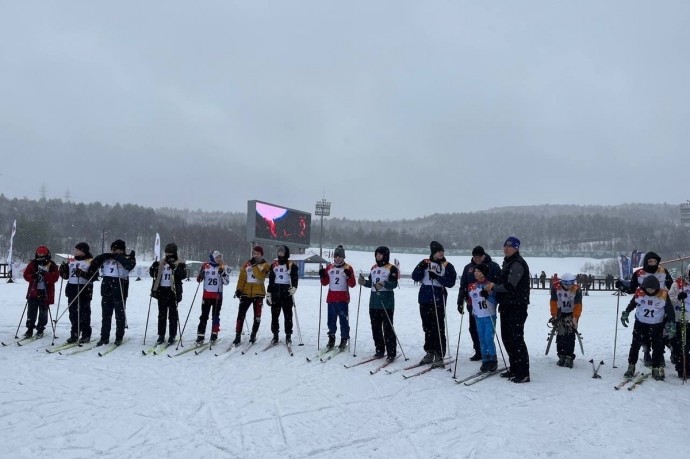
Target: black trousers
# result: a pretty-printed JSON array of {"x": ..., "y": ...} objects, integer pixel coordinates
[
  {"x": 212, "y": 306},
  {"x": 283, "y": 304},
  {"x": 167, "y": 310},
  {"x": 245, "y": 302},
  {"x": 434, "y": 330},
  {"x": 382, "y": 331},
  {"x": 80, "y": 316},
  {"x": 647, "y": 333},
  {"x": 109, "y": 305},
  {"x": 513, "y": 319},
  {"x": 36, "y": 309}
]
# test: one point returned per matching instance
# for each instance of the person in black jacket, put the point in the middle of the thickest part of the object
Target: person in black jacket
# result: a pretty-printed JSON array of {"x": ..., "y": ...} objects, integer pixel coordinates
[
  {"x": 115, "y": 267},
  {"x": 79, "y": 292},
  {"x": 513, "y": 298},
  {"x": 282, "y": 285},
  {"x": 167, "y": 289},
  {"x": 479, "y": 256}
]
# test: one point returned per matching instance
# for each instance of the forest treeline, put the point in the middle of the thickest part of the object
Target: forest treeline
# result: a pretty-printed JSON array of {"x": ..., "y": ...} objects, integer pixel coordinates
[{"x": 546, "y": 230}]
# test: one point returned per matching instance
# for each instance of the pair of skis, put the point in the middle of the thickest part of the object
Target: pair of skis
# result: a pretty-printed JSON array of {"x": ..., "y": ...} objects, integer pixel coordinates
[
  {"x": 271, "y": 345},
  {"x": 634, "y": 381},
  {"x": 479, "y": 376}
]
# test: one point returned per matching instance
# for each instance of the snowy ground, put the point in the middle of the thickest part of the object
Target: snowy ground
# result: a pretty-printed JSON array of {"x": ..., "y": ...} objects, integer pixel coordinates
[{"x": 272, "y": 405}]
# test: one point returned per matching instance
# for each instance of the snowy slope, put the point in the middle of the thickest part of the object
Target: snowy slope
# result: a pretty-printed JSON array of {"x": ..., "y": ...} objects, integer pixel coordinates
[{"x": 272, "y": 405}]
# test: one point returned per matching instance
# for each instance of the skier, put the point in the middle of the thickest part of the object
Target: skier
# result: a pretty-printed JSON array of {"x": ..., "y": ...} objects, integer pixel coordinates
[
  {"x": 340, "y": 278},
  {"x": 250, "y": 290},
  {"x": 654, "y": 314},
  {"x": 383, "y": 279},
  {"x": 679, "y": 298},
  {"x": 650, "y": 267},
  {"x": 167, "y": 289},
  {"x": 467, "y": 277},
  {"x": 483, "y": 305},
  {"x": 282, "y": 285},
  {"x": 115, "y": 267},
  {"x": 214, "y": 276},
  {"x": 566, "y": 308},
  {"x": 41, "y": 273},
  {"x": 79, "y": 291},
  {"x": 512, "y": 292},
  {"x": 436, "y": 274}
]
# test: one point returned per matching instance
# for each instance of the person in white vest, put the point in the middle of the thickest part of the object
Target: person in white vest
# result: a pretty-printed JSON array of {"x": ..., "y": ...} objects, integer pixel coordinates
[{"x": 79, "y": 291}]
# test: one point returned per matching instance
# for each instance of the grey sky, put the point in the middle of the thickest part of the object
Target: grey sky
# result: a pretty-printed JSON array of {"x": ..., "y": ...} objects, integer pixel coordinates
[{"x": 388, "y": 108}]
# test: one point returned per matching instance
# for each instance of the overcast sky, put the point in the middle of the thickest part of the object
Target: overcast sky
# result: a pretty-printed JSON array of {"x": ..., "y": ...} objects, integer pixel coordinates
[{"x": 389, "y": 109}]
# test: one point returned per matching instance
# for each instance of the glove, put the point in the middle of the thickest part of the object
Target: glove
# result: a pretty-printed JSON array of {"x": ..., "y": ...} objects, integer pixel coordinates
[
  {"x": 221, "y": 271},
  {"x": 322, "y": 273},
  {"x": 79, "y": 273},
  {"x": 670, "y": 329},
  {"x": 378, "y": 286},
  {"x": 624, "y": 318},
  {"x": 269, "y": 299},
  {"x": 361, "y": 280},
  {"x": 238, "y": 293},
  {"x": 348, "y": 274},
  {"x": 433, "y": 275},
  {"x": 553, "y": 321},
  {"x": 682, "y": 296},
  {"x": 484, "y": 294},
  {"x": 292, "y": 290},
  {"x": 461, "y": 306},
  {"x": 64, "y": 270},
  {"x": 131, "y": 254}
]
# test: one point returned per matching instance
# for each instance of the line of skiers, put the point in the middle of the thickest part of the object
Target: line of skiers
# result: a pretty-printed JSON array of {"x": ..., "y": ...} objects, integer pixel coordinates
[{"x": 485, "y": 288}]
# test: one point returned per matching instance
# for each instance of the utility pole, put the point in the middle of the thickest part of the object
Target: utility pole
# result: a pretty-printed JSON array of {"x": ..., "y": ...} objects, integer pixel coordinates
[{"x": 323, "y": 209}]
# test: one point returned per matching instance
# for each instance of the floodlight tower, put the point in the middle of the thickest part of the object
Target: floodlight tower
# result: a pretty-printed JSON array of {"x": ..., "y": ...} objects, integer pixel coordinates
[{"x": 323, "y": 209}]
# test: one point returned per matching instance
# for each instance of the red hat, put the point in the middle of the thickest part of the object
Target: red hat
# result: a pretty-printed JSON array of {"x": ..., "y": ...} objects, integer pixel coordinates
[{"x": 258, "y": 248}]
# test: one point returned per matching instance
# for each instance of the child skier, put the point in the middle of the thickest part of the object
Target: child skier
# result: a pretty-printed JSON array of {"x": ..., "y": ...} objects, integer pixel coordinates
[
  {"x": 214, "y": 277},
  {"x": 679, "y": 297},
  {"x": 483, "y": 306},
  {"x": 566, "y": 308},
  {"x": 340, "y": 278},
  {"x": 251, "y": 292},
  {"x": 79, "y": 291},
  {"x": 653, "y": 309},
  {"x": 282, "y": 285},
  {"x": 167, "y": 289},
  {"x": 41, "y": 273}
]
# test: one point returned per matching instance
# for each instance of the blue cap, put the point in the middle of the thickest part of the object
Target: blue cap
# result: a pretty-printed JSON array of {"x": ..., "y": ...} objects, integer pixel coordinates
[{"x": 513, "y": 242}]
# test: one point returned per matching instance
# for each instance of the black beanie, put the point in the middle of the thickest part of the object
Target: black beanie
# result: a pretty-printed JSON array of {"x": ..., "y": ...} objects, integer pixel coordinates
[
  {"x": 339, "y": 252},
  {"x": 483, "y": 268},
  {"x": 478, "y": 251},
  {"x": 650, "y": 282},
  {"x": 119, "y": 244},
  {"x": 171, "y": 248},
  {"x": 435, "y": 247},
  {"x": 83, "y": 246}
]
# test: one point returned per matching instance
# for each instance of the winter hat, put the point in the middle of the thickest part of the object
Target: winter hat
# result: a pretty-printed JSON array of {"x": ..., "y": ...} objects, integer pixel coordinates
[
  {"x": 483, "y": 268},
  {"x": 385, "y": 251},
  {"x": 339, "y": 252},
  {"x": 650, "y": 282},
  {"x": 645, "y": 262},
  {"x": 513, "y": 242},
  {"x": 258, "y": 248},
  {"x": 171, "y": 248},
  {"x": 83, "y": 247},
  {"x": 119, "y": 244},
  {"x": 478, "y": 251},
  {"x": 42, "y": 253},
  {"x": 435, "y": 247}
]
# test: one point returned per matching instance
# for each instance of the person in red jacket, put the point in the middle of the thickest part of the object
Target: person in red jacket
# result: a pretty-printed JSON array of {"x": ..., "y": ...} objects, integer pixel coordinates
[
  {"x": 41, "y": 273},
  {"x": 340, "y": 278}
]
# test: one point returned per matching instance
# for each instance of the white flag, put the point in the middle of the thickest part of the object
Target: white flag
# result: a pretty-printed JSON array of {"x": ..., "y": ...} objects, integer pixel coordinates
[
  {"x": 157, "y": 247},
  {"x": 9, "y": 254}
]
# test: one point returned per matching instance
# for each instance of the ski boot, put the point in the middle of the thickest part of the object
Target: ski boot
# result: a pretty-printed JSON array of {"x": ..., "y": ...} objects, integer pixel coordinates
[
  {"x": 343, "y": 344},
  {"x": 275, "y": 339},
  {"x": 568, "y": 362},
  {"x": 29, "y": 333},
  {"x": 438, "y": 361},
  {"x": 214, "y": 337},
  {"x": 428, "y": 358},
  {"x": 237, "y": 340},
  {"x": 252, "y": 337},
  {"x": 390, "y": 358},
  {"x": 331, "y": 342},
  {"x": 102, "y": 342},
  {"x": 84, "y": 339},
  {"x": 491, "y": 366},
  {"x": 631, "y": 371},
  {"x": 288, "y": 339},
  {"x": 199, "y": 339},
  {"x": 171, "y": 339},
  {"x": 658, "y": 373},
  {"x": 476, "y": 357},
  {"x": 561, "y": 361},
  {"x": 161, "y": 339},
  {"x": 72, "y": 339}
]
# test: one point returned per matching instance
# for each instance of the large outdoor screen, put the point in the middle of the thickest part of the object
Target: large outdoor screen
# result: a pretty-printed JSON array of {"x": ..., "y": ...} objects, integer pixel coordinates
[{"x": 272, "y": 224}]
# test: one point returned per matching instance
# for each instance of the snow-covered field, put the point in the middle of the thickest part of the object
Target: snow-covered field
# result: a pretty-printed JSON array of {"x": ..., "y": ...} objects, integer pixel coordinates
[{"x": 268, "y": 404}]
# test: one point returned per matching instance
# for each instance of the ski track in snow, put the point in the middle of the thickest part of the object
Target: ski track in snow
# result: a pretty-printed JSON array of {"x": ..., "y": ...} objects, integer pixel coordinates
[{"x": 272, "y": 405}]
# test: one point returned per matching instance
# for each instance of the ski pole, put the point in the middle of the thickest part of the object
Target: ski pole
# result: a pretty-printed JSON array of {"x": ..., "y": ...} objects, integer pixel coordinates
[
  {"x": 438, "y": 323},
  {"x": 615, "y": 335},
  {"x": 146, "y": 328},
  {"x": 445, "y": 315},
  {"x": 78, "y": 293},
  {"x": 50, "y": 314},
  {"x": 359, "y": 300},
  {"x": 16, "y": 334},
  {"x": 318, "y": 336},
  {"x": 188, "y": 313},
  {"x": 457, "y": 351},
  {"x": 500, "y": 348},
  {"x": 299, "y": 332},
  {"x": 393, "y": 328},
  {"x": 56, "y": 312}
]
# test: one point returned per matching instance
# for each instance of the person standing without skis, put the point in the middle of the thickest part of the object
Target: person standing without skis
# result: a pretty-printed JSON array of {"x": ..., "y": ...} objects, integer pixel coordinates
[
  {"x": 250, "y": 290},
  {"x": 167, "y": 289},
  {"x": 479, "y": 256},
  {"x": 115, "y": 267},
  {"x": 679, "y": 298},
  {"x": 282, "y": 285},
  {"x": 435, "y": 274},
  {"x": 650, "y": 267},
  {"x": 340, "y": 278},
  {"x": 383, "y": 279},
  {"x": 566, "y": 308},
  {"x": 79, "y": 291},
  {"x": 41, "y": 273},
  {"x": 483, "y": 306},
  {"x": 512, "y": 292},
  {"x": 654, "y": 314},
  {"x": 214, "y": 276}
]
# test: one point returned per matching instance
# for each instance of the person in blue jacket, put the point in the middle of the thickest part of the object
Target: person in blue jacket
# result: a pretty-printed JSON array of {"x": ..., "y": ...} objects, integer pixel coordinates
[{"x": 436, "y": 275}]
